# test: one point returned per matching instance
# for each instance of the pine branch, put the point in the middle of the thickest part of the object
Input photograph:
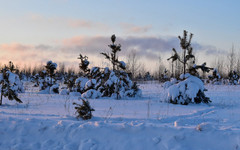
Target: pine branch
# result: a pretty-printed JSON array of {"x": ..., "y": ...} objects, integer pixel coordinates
[{"x": 106, "y": 55}]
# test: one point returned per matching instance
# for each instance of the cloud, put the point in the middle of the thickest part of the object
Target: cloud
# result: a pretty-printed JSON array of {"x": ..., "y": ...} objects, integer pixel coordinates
[
  {"x": 208, "y": 49},
  {"x": 13, "y": 47},
  {"x": 149, "y": 47},
  {"x": 67, "y": 50},
  {"x": 43, "y": 47},
  {"x": 131, "y": 28},
  {"x": 24, "y": 53}
]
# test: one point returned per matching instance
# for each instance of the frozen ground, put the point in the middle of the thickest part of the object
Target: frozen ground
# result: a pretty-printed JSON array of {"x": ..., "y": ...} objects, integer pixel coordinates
[{"x": 48, "y": 122}]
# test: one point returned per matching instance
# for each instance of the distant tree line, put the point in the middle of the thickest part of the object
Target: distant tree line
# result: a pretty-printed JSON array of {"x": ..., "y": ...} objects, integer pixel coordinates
[{"x": 225, "y": 65}]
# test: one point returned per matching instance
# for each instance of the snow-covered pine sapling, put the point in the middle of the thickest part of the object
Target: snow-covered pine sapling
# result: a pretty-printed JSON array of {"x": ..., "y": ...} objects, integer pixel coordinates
[
  {"x": 203, "y": 68},
  {"x": 35, "y": 79},
  {"x": 117, "y": 84},
  {"x": 233, "y": 77},
  {"x": 83, "y": 110},
  {"x": 185, "y": 44},
  {"x": 113, "y": 58},
  {"x": 11, "y": 67},
  {"x": 51, "y": 67},
  {"x": 43, "y": 84},
  {"x": 83, "y": 65},
  {"x": 10, "y": 84},
  {"x": 174, "y": 57},
  {"x": 70, "y": 81},
  {"x": 47, "y": 80},
  {"x": 117, "y": 65},
  {"x": 103, "y": 82},
  {"x": 215, "y": 77},
  {"x": 190, "y": 88},
  {"x": 165, "y": 75}
]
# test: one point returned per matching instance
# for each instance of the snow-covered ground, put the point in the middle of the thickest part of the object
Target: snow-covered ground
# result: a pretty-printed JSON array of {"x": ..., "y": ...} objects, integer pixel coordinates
[{"x": 46, "y": 121}]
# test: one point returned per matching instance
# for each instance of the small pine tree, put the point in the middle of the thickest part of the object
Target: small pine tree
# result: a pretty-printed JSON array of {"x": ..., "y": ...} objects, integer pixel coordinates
[
  {"x": 103, "y": 82},
  {"x": 215, "y": 77},
  {"x": 51, "y": 67},
  {"x": 41, "y": 80},
  {"x": 185, "y": 44},
  {"x": 11, "y": 67},
  {"x": 113, "y": 56},
  {"x": 233, "y": 77},
  {"x": 190, "y": 89},
  {"x": 83, "y": 65},
  {"x": 203, "y": 68},
  {"x": 47, "y": 80},
  {"x": 84, "y": 111},
  {"x": 117, "y": 65},
  {"x": 70, "y": 81},
  {"x": 10, "y": 85}
]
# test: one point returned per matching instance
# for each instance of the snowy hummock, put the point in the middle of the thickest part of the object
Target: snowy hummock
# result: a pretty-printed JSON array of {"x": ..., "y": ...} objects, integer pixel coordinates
[{"x": 183, "y": 90}]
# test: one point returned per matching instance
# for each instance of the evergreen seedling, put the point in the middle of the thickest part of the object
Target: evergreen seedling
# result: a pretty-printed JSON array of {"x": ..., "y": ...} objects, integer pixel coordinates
[
  {"x": 83, "y": 111},
  {"x": 104, "y": 82},
  {"x": 190, "y": 89},
  {"x": 51, "y": 67},
  {"x": 9, "y": 87},
  {"x": 83, "y": 65},
  {"x": 113, "y": 56}
]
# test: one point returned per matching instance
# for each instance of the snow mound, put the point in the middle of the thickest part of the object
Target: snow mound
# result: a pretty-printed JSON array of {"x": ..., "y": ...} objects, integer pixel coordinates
[
  {"x": 91, "y": 94},
  {"x": 190, "y": 90}
]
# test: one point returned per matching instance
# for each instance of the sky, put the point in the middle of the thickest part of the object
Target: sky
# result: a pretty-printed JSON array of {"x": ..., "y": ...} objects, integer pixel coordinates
[{"x": 33, "y": 32}]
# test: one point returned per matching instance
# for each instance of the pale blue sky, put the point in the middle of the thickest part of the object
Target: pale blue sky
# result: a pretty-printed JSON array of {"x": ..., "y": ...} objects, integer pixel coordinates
[{"x": 51, "y": 22}]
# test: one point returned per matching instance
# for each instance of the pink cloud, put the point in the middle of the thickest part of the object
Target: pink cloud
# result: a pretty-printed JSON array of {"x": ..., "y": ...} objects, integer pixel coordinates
[
  {"x": 135, "y": 29},
  {"x": 23, "y": 54},
  {"x": 15, "y": 47},
  {"x": 84, "y": 41},
  {"x": 78, "y": 40}
]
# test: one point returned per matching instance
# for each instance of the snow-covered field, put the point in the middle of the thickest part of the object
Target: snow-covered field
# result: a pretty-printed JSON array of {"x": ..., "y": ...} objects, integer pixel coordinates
[{"x": 48, "y": 122}]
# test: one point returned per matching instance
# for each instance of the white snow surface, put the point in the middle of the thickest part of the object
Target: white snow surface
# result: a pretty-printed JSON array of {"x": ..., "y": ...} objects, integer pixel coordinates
[{"x": 46, "y": 121}]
